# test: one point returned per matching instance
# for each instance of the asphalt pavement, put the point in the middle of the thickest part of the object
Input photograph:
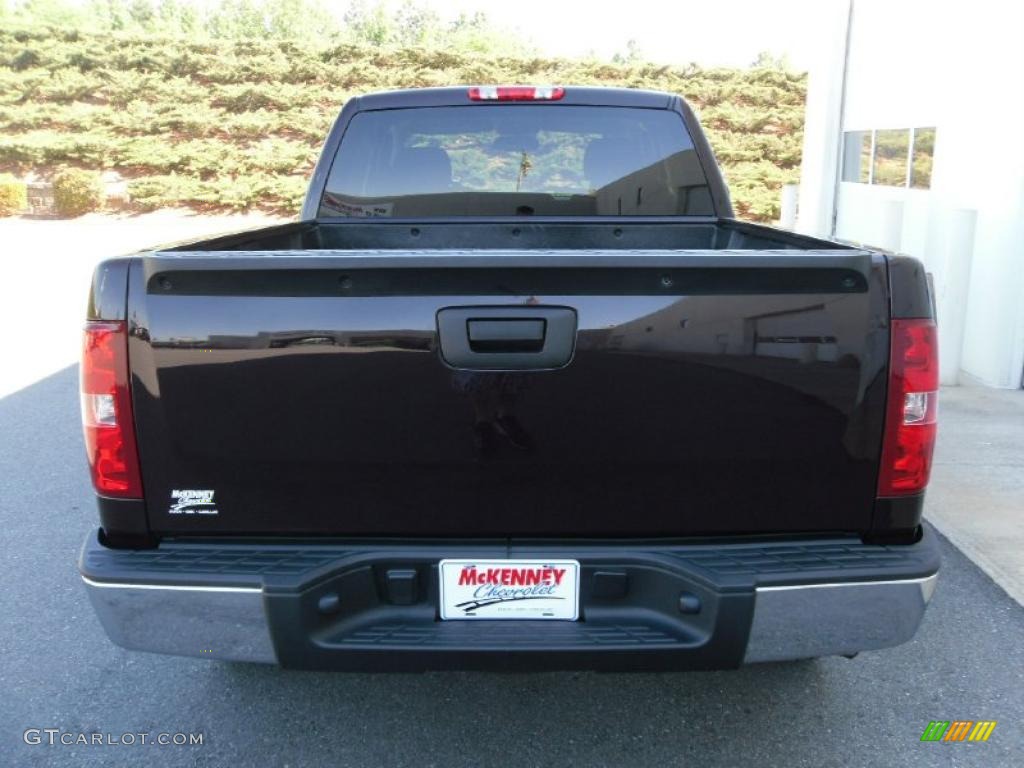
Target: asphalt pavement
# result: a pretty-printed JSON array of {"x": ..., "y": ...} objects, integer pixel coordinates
[
  {"x": 58, "y": 670},
  {"x": 976, "y": 497}
]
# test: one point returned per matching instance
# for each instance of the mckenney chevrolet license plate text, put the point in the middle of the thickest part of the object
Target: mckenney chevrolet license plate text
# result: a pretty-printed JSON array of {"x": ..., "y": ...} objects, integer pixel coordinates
[{"x": 510, "y": 589}]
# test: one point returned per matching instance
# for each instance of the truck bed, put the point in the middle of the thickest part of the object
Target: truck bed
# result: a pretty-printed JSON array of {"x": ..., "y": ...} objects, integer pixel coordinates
[{"x": 523, "y": 233}]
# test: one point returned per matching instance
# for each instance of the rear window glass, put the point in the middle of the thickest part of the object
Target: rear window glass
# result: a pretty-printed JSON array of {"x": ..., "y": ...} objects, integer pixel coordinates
[{"x": 516, "y": 160}]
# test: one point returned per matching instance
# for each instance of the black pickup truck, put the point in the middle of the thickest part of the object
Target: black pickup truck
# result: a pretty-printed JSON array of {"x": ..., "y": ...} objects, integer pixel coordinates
[{"x": 518, "y": 391}]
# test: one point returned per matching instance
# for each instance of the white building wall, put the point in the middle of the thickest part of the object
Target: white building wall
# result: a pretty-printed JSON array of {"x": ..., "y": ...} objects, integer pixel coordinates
[{"x": 959, "y": 69}]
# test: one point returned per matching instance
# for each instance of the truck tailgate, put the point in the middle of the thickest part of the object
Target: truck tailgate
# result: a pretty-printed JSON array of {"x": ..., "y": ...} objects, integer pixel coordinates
[{"x": 702, "y": 393}]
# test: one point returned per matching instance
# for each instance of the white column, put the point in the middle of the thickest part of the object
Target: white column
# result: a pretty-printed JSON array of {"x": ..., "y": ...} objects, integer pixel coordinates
[
  {"x": 955, "y": 254},
  {"x": 788, "y": 206},
  {"x": 823, "y": 117}
]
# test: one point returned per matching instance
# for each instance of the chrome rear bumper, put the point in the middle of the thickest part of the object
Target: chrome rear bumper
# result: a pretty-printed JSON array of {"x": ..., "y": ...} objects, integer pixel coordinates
[
  {"x": 265, "y": 603},
  {"x": 808, "y": 620},
  {"x": 213, "y": 622}
]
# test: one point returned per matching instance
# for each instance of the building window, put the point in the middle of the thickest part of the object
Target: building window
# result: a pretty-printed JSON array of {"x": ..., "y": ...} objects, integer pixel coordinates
[
  {"x": 890, "y": 162},
  {"x": 900, "y": 157},
  {"x": 857, "y": 156},
  {"x": 921, "y": 166}
]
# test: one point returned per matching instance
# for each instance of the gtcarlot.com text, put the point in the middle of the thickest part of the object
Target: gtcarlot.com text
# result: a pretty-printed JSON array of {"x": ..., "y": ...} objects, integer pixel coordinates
[{"x": 54, "y": 737}]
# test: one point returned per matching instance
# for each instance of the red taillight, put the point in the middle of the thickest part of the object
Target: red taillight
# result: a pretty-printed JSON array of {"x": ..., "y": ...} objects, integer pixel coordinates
[
  {"x": 516, "y": 93},
  {"x": 910, "y": 418},
  {"x": 107, "y": 411}
]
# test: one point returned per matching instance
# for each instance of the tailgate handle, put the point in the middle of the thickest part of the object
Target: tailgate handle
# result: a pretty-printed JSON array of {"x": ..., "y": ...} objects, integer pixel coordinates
[
  {"x": 507, "y": 338},
  {"x": 506, "y": 335}
]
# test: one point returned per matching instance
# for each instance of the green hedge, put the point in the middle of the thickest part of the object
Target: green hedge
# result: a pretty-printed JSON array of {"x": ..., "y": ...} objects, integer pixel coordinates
[
  {"x": 13, "y": 195},
  {"x": 235, "y": 125},
  {"x": 76, "y": 191}
]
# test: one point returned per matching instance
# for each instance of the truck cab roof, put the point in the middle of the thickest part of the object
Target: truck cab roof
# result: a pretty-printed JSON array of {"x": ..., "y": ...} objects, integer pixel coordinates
[{"x": 459, "y": 95}]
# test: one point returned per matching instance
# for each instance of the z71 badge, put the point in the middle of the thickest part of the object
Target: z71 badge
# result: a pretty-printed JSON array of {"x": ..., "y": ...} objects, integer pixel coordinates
[{"x": 191, "y": 502}]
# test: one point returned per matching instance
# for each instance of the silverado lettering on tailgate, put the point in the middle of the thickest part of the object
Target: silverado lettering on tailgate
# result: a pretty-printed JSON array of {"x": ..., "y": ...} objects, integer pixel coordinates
[{"x": 192, "y": 502}]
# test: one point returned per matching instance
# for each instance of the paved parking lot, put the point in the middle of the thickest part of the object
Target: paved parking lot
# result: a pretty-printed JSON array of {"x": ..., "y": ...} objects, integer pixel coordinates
[
  {"x": 977, "y": 492},
  {"x": 57, "y": 670}
]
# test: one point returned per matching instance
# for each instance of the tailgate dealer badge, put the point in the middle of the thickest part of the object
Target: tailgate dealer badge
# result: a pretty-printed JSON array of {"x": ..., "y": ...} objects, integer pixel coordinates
[
  {"x": 192, "y": 502},
  {"x": 510, "y": 589}
]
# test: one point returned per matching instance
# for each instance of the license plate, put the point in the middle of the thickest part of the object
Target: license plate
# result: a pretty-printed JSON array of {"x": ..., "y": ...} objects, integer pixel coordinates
[{"x": 510, "y": 589}]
